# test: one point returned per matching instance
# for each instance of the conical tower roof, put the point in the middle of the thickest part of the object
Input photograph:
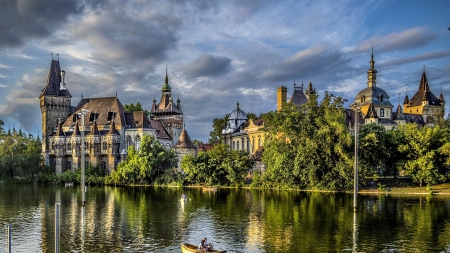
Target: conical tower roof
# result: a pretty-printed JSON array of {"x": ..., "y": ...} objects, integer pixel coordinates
[{"x": 185, "y": 141}]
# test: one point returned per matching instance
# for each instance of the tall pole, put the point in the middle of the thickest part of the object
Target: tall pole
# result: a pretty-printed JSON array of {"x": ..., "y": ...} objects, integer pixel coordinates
[{"x": 355, "y": 177}]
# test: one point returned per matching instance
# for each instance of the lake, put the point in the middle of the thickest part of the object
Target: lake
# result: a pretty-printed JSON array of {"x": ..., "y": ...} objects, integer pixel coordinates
[{"x": 147, "y": 219}]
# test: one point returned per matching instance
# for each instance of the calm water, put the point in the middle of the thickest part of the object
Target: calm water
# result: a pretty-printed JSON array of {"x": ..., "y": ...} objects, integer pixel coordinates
[{"x": 239, "y": 220}]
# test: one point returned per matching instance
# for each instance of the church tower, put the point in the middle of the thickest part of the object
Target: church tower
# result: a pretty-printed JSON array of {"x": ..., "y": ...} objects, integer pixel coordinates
[
  {"x": 168, "y": 112},
  {"x": 55, "y": 102}
]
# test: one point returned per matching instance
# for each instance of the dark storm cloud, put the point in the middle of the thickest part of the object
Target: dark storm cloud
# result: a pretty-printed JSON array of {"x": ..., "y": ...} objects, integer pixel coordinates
[
  {"x": 412, "y": 38},
  {"x": 207, "y": 65},
  {"x": 22, "y": 20}
]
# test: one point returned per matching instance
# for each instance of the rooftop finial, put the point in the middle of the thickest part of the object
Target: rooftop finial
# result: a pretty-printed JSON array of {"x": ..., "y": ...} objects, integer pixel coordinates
[
  {"x": 423, "y": 68},
  {"x": 52, "y": 56},
  {"x": 58, "y": 56}
]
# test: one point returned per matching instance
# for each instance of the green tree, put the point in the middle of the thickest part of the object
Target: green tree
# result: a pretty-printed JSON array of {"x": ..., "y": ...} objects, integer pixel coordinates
[
  {"x": 218, "y": 166},
  {"x": 134, "y": 108},
  {"x": 424, "y": 151},
  {"x": 251, "y": 116},
  {"x": 309, "y": 146},
  {"x": 144, "y": 165},
  {"x": 218, "y": 125},
  {"x": 373, "y": 149}
]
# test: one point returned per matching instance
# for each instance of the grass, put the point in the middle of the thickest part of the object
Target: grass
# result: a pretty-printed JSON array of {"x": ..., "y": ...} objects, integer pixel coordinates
[{"x": 402, "y": 185}]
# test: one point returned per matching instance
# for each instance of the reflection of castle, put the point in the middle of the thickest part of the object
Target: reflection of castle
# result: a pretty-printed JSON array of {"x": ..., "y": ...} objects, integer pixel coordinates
[{"x": 108, "y": 128}]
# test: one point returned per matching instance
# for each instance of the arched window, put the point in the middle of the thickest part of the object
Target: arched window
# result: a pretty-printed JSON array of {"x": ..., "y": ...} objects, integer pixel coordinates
[
  {"x": 233, "y": 146},
  {"x": 128, "y": 141},
  {"x": 237, "y": 145},
  {"x": 248, "y": 145},
  {"x": 381, "y": 98},
  {"x": 242, "y": 143},
  {"x": 137, "y": 143},
  {"x": 381, "y": 112},
  {"x": 253, "y": 144}
]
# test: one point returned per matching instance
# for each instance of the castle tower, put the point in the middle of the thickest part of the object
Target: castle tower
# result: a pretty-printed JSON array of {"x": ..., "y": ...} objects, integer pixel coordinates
[
  {"x": 168, "y": 113},
  {"x": 281, "y": 97},
  {"x": 184, "y": 146},
  {"x": 55, "y": 101},
  {"x": 373, "y": 96}
]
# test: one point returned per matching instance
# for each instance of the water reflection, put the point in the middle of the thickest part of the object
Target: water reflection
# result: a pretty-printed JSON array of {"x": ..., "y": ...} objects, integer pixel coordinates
[{"x": 155, "y": 220}]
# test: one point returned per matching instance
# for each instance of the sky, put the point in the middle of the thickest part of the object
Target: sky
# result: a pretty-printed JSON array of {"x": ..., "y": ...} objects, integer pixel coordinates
[{"x": 217, "y": 53}]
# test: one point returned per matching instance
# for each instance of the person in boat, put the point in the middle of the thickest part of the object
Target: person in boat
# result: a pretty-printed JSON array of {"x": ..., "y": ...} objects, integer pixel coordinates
[
  {"x": 208, "y": 246},
  {"x": 202, "y": 246}
]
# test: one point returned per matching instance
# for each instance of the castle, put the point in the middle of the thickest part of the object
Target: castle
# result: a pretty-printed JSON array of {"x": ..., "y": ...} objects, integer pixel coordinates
[{"x": 108, "y": 128}]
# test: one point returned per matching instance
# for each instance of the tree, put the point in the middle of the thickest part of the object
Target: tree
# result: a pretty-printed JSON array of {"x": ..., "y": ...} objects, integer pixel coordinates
[
  {"x": 424, "y": 149},
  {"x": 218, "y": 166},
  {"x": 218, "y": 125},
  {"x": 251, "y": 116},
  {"x": 309, "y": 146},
  {"x": 135, "y": 108},
  {"x": 144, "y": 165},
  {"x": 373, "y": 149}
]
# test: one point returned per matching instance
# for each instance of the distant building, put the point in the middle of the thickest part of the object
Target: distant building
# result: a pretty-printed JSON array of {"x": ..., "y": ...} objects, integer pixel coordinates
[
  {"x": 374, "y": 106},
  {"x": 298, "y": 98},
  {"x": 109, "y": 130}
]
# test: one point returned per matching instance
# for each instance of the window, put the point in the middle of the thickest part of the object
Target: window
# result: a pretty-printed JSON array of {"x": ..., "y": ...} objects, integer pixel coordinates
[
  {"x": 381, "y": 98},
  {"x": 105, "y": 147},
  {"x": 259, "y": 141},
  {"x": 96, "y": 147},
  {"x": 248, "y": 145},
  {"x": 69, "y": 147},
  {"x": 233, "y": 146},
  {"x": 237, "y": 145},
  {"x": 253, "y": 144},
  {"x": 69, "y": 165},
  {"x": 242, "y": 143},
  {"x": 137, "y": 143},
  {"x": 104, "y": 165},
  {"x": 128, "y": 141},
  {"x": 381, "y": 112}
]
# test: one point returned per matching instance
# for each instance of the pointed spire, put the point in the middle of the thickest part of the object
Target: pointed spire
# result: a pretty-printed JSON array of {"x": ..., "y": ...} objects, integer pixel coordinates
[
  {"x": 406, "y": 101},
  {"x": 372, "y": 73},
  {"x": 399, "y": 115},
  {"x": 59, "y": 131},
  {"x": 371, "y": 113},
  {"x": 424, "y": 82},
  {"x": 76, "y": 130},
  {"x": 112, "y": 129},
  {"x": 166, "y": 86},
  {"x": 185, "y": 141},
  {"x": 94, "y": 129}
]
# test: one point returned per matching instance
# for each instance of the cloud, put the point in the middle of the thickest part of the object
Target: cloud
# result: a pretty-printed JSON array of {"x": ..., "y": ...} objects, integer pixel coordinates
[
  {"x": 308, "y": 63},
  {"x": 408, "y": 39},
  {"x": 417, "y": 58},
  {"x": 207, "y": 65},
  {"x": 22, "y": 20}
]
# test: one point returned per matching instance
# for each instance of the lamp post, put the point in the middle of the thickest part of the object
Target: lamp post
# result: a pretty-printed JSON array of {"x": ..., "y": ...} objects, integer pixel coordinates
[
  {"x": 355, "y": 175},
  {"x": 83, "y": 114}
]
